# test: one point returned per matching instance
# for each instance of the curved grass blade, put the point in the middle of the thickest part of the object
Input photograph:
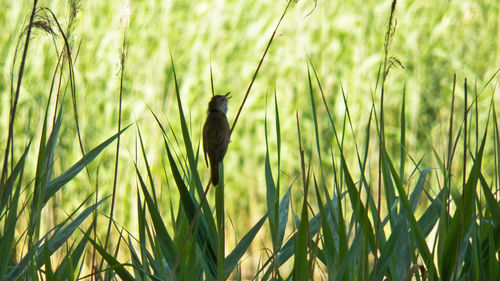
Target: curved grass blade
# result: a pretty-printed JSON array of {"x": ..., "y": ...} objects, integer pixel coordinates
[
  {"x": 287, "y": 251},
  {"x": 185, "y": 134},
  {"x": 329, "y": 247},
  {"x": 234, "y": 257},
  {"x": 73, "y": 258},
  {"x": 7, "y": 239},
  {"x": 301, "y": 270},
  {"x": 420, "y": 238},
  {"x": 389, "y": 251},
  {"x": 203, "y": 236},
  {"x": 162, "y": 235},
  {"x": 417, "y": 191},
  {"x": 60, "y": 237},
  {"x": 69, "y": 174},
  {"x": 461, "y": 220},
  {"x": 5, "y": 190},
  {"x": 114, "y": 264}
]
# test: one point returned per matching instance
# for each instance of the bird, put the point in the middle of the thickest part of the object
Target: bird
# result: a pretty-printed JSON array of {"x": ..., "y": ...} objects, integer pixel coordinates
[{"x": 216, "y": 134}]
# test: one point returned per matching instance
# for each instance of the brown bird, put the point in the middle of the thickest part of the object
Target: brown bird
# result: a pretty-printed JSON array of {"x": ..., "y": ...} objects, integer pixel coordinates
[{"x": 216, "y": 134}]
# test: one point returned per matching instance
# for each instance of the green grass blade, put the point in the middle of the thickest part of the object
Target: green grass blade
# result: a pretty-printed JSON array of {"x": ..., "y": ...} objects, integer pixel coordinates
[
  {"x": 283, "y": 216},
  {"x": 314, "y": 115},
  {"x": 170, "y": 252},
  {"x": 461, "y": 220},
  {"x": 417, "y": 191},
  {"x": 405, "y": 203},
  {"x": 493, "y": 207},
  {"x": 185, "y": 133},
  {"x": 234, "y": 257},
  {"x": 114, "y": 264},
  {"x": 220, "y": 214},
  {"x": 351, "y": 258},
  {"x": 140, "y": 269},
  {"x": 390, "y": 249},
  {"x": 301, "y": 270},
  {"x": 146, "y": 163},
  {"x": 6, "y": 190},
  {"x": 203, "y": 236},
  {"x": 357, "y": 205},
  {"x": 61, "y": 236},
  {"x": 329, "y": 248},
  {"x": 432, "y": 213},
  {"x": 142, "y": 224},
  {"x": 206, "y": 208},
  {"x": 288, "y": 250},
  {"x": 402, "y": 136},
  {"x": 390, "y": 194},
  {"x": 7, "y": 237},
  {"x": 71, "y": 259},
  {"x": 69, "y": 174},
  {"x": 278, "y": 142},
  {"x": 53, "y": 243},
  {"x": 271, "y": 196}
]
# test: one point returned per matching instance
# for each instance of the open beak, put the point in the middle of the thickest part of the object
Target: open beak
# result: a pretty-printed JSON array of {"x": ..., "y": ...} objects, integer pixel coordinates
[{"x": 227, "y": 95}]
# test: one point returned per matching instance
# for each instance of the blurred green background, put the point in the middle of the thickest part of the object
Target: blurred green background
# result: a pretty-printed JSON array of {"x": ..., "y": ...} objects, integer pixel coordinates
[{"x": 343, "y": 39}]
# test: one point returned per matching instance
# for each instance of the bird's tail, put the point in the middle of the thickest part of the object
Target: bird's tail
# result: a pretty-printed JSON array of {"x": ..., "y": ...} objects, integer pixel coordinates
[{"x": 214, "y": 173}]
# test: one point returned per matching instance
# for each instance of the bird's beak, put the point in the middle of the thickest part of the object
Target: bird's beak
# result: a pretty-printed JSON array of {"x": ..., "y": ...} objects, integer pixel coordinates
[{"x": 227, "y": 95}]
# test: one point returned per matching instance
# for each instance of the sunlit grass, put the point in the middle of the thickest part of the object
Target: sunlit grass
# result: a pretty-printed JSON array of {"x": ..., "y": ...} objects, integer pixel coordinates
[{"x": 325, "y": 65}]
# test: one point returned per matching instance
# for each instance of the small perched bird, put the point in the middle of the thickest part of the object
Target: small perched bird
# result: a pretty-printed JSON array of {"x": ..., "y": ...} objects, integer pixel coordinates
[{"x": 216, "y": 134}]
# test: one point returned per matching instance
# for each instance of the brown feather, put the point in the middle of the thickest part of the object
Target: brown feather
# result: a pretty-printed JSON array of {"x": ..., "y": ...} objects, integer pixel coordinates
[{"x": 215, "y": 141}]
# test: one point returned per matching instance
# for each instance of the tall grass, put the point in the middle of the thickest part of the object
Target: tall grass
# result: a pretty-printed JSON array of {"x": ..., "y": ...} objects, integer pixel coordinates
[{"x": 355, "y": 204}]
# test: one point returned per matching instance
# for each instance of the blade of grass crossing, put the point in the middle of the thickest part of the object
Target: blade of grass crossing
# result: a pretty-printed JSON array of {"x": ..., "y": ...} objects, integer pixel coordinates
[
  {"x": 56, "y": 184},
  {"x": 348, "y": 264},
  {"x": 421, "y": 243},
  {"x": 67, "y": 265},
  {"x": 207, "y": 213},
  {"x": 203, "y": 236},
  {"x": 389, "y": 251},
  {"x": 419, "y": 187},
  {"x": 6, "y": 190},
  {"x": 492, "y": 206},
  {"x": 462, "y": 218},
  {"x": 390, "y": 195},
  {"x": 357, "y": 205},
  {"x": 114, "y": 264},
  {"x": 137, "y": 267},
  {"x": 162, "y": 234},
  {"x": 7, "y": 239},
  {"x": 146, "y": 163},
  {"x": 432, "y": 213},
  {"x": 234, "y": 257},
  {"x": 10, "y": 136},
  {"x": 41, "y": 178},
  {"x": 329, "y": 247},
  {"x": 288, "y": 250},
  {"x": 490, "y": 245},
  {"x": 59, "y": 237}
]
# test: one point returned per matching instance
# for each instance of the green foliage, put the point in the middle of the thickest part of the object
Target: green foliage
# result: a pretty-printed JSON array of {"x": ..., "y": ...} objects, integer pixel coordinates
[{"x": 391, "y": 185}]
